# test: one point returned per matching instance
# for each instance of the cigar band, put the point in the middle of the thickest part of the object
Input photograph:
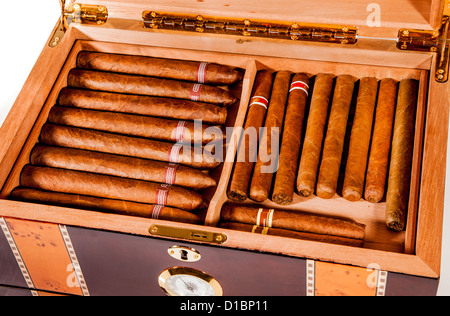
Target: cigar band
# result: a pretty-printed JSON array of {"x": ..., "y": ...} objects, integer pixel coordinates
[
  {"x": 161, "y": 194},
  {"x": 201, "y": 73},
  {"x": 259, "y": 100},
  {"x": 264, "y": 217},
  {"x": 174, "y": 153},
  {"x": 300, "y": 85},
  {"x": 195, "y": 92},
  {"x": 156, "y": 211},
  {"x": 171, "y": 173},
  {"x": 179, "y": 131},
  {"x": 260, "y": 230}
]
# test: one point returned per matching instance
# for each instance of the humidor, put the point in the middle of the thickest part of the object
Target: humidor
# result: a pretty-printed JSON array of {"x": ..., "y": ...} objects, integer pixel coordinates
[{"x": 49, "y": 248}]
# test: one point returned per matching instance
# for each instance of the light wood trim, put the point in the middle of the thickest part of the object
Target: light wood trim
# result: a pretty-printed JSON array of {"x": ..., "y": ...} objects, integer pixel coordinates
[
  {"x": 432, "y": 193},
  {"x": 215, "y": 205},
  {"x": 394, "y": 14},
  {"x": 414, "y": 192},
  {"x": 365, "y": 52},
  {"x": 436, "y": 13},
  {"x": 28, "y": 104},
  {"x": 13, "y": 180}
]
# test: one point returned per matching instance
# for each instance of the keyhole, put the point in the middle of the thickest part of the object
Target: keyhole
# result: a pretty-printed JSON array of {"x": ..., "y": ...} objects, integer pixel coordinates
[{"x": 184, "y": 255}]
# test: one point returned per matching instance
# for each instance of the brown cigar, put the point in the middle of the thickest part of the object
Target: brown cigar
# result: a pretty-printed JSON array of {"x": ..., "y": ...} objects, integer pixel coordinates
[
  {"x": 377, "y": 166},
  {"x": 143, "y": 105},
  {"x": 121, "y": 166},
  {"x": 66, "y": 136},
  {"x": 293, "y": 220},
  {"x": 397, "y": 196},
  {"x": 355, "y": 171},
  {"x": 104, "y": 186},
  {"x": 104, "y": 205},
  {"x": 247, "y": 154},
  {"x": 265, "y": 165},
  {"x": 136, "y": 125},
  {"x": 131, "y": 84},
  {"x": 283, "y": 191},
  {"x": 292, "y": 234},
  {"x": 315, "y": 130},
  {"x": 201, "y": 72},
  {"x": 334, "y": 139}
]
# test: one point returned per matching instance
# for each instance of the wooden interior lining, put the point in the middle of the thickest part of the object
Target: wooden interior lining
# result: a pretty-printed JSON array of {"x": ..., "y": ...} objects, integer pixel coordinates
[{"x": 379, "y": 237}]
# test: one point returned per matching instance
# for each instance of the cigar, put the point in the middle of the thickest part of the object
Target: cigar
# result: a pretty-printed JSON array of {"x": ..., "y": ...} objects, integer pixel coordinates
[
  {"x": 334, "y": 139},
  {"x": 377, "y": 166},
  {"x": 131, "y": 84},
  {"x": 201, "y": 72},
  {"x": 283, "y": 191},
  {"x": 109, "y": 187},
  {"x": 292, "y": 234},
  {"x": 355, "y": 171},
  {"x": 143, "y": 105},
  {"x": 293, "y": 220},
  {"x": 136, "y": 125},
  {"x": 119, "y": 207},
  {"x": 264, "y": 168},
  {"x": 120, "y": 166},
  {"x": 73, "y": 137},
  {"x": 247, "y": 154},
  {"x": 315, "y": 130},
  {"x": 397, "y": 196}
]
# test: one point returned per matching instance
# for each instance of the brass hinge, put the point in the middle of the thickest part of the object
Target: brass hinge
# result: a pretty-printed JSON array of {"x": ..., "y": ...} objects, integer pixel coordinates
[
  {"x": 255, "y": 28},
  {"x": 78, "y": 13},
  {"x": 433, "y": 41}
]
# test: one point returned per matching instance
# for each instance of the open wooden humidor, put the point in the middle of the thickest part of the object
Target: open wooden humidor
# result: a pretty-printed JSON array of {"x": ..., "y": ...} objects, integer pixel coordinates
[{"x": 414, "y": 251}]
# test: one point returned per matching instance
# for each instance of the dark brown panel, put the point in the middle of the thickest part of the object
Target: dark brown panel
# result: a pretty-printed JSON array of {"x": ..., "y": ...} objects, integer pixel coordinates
[
  {"x": 10, "y": 273},
  {"x": 14, "y": 291},
  {"x": 409, "y": 285},
  {"x": 121, "y": 264}
]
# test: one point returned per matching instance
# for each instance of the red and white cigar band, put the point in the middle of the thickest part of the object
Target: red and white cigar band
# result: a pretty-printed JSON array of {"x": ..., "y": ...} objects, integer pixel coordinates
[
  {"x": 171, "y": 173},
  {"x": 260, "y": 230},
  {"x": 179, "y": 131},
  {"x": 201, "y": 73},
  {"x": 264, "y": 217},
  {"x": 259, "y": 100},
  {"x": 299, "y": 85},
  {"x": 156, "y": 211},
  {"x": 161, "y": 194},
  {"x": 174, "y": 153},
  {"x": 195, "y": 92}
]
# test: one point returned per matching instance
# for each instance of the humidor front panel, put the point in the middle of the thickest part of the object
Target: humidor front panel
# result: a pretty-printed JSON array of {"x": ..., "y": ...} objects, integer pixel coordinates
[
  {"x": 240, "y": 273},
  {"x": 103, "y": 261}
]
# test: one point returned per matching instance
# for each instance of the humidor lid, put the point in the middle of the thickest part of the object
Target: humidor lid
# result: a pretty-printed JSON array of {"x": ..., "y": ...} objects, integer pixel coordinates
[{"x": 381, "y": 18}]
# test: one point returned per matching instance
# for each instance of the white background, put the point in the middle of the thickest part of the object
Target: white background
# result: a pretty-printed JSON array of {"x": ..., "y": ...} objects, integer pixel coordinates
[{"x": 24, "y": 29}]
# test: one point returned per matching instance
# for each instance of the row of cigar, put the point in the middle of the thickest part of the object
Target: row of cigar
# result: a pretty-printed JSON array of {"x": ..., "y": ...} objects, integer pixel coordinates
[
  {"x": 292, "y": 224},
  {"x": 315, "y": 131},
  {"x": 115, "y": 140}
]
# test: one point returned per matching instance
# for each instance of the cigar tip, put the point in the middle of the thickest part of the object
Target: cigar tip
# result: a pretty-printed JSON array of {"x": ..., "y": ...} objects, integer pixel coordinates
[
  {"x": 372, "y": 196},
  {"x": 395, "y": 225},
  {"x": 282, "y": 199},
  {"x": 325, "y": 192},
  {"x": 304, "y": 190},
  {"x": 351, "y": 194},
  {"x": 236, "y": 195},
  {"x": 258, "y": 194}
]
